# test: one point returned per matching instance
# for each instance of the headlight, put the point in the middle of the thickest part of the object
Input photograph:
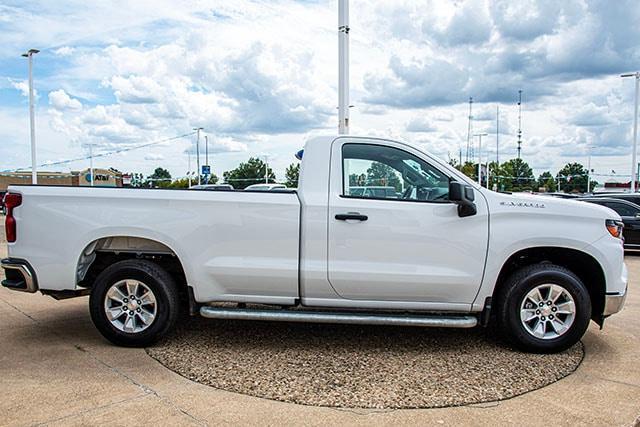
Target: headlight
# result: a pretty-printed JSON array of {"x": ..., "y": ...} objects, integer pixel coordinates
[{"x": 614, "y": 227}]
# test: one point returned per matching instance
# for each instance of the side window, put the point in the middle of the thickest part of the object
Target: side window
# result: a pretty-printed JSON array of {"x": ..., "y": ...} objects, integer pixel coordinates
[
  {"x": 622, "y": 209},
  {"x": 381, "y": 172}
]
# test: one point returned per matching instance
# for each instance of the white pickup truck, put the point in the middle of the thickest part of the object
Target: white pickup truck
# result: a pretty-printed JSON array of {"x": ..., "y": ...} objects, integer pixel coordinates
[{"x": 435, "y": 250}]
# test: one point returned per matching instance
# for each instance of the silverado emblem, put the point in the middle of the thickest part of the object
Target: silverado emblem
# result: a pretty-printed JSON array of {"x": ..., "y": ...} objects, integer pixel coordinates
[{"x": 524, "y": 204}]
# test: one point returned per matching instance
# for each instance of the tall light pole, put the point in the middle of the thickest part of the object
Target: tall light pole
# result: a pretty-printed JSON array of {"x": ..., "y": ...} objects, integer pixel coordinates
[
  {"x": 206, "y": 150},
  {"x": 189, "y": 171},
  {"x": 480, "y": 135},
  {"x": 343, "y": 67},
  {"x": 32, "y": 120},
  {"x": 634, "y": 165},
  {"x": 198, "y": 151},
  {"x": 589, "y": 171},
  {"x": 266, "y": 169},
  {"x": 497, "y": 134},
  {"x": 91, "y": 162}
]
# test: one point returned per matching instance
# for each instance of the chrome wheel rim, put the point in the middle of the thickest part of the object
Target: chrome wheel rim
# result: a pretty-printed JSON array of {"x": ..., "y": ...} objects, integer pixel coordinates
[
  {"x": 130, "y": 306},
  {"x": 547, "y": 311}
]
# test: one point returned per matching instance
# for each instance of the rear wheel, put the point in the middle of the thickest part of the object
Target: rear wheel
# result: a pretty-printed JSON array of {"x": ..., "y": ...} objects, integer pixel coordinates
[
  {"x": 544, "y": 308},
  {"x": 134, "y": 303}
]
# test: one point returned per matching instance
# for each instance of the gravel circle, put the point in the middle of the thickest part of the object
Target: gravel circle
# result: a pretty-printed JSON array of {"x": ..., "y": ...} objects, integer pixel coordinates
[{"x": 357, "y": 366}]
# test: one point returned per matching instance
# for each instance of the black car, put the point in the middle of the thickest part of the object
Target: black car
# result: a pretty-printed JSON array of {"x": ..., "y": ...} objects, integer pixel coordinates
[
  {"x": 629, "y": 197},
  {"x": 630, "y": 213}
]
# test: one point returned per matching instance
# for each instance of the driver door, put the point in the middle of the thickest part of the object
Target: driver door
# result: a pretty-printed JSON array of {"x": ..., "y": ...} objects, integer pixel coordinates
[{"x": 393, "y": 235}]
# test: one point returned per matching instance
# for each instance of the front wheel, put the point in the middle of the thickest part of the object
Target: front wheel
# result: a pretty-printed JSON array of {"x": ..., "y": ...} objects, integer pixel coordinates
[
  {"x": 134, "y": 303},
  {"x": 544, "y": 308}
]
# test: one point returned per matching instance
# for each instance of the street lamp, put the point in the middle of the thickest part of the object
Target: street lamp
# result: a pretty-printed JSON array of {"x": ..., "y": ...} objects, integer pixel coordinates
[
  {"x": 634, "y": 165},
  {"x": 589, "y": 171},
  {"x": 480, "y": 135},
  {"x": 343, "y": 67},
  {"x": 34, "y": 171},
  {"x": 198, "y": 151}
]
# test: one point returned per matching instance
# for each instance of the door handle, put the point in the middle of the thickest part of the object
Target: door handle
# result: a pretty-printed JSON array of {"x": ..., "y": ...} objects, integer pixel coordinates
[{"x": 351, "y": 215}]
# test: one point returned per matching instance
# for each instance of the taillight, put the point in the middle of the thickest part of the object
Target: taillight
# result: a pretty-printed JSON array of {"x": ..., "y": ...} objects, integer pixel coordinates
[
  {"x": 615, "y": 228},
  {"x": 11, "y": 200}
]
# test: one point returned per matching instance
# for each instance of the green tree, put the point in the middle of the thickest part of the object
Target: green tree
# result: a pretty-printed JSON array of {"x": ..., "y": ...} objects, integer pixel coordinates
[
  {"x": 137, "y": 179},
  {"x": 249, "y": 173},
  {"x": 573, "y": 178},
  {"x": 546, "y": 182},
  {"x": 356, "y": 180},
  {"x": 292, "y": 174},
  {"x": 470, "y": 169},
  {"x": 516, "y": 175},
  {"x": 380, "y": 174},
  {"x": 159, "y": 178},
  {"x": 180, "y": 183},
  {"x": 210, "y": 179}
]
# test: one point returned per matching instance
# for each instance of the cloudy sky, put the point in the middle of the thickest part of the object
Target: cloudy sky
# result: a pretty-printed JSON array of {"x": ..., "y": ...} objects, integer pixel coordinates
[{"x": 261, "y": 77}]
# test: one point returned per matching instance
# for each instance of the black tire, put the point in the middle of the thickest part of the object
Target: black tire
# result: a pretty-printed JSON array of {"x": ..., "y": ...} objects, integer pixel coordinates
[
  {"x": 515, "y": 291},
  {"x": 157, "y": 280}
]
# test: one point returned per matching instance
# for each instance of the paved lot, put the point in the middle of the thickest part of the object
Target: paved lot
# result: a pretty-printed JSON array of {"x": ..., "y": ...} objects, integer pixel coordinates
[{"x": 55, "y": 369}]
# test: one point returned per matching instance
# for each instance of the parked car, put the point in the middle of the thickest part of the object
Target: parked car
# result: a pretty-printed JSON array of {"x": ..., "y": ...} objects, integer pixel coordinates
[
  {"x": 630, "y": 214},
  {"x": 212, "y": 187},
  {"x": 563, "y": 195},
  {"x": 374, "y": 192},
  {"x": 266, "y": 187},
  {"x": 449, "y": 253},
  {"x": 2, "y": 209},
  {"x": 629, "y": 197}
]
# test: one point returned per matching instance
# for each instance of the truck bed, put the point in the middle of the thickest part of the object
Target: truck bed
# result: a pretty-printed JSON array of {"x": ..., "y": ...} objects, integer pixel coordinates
[{"x": 239, "y": 245}]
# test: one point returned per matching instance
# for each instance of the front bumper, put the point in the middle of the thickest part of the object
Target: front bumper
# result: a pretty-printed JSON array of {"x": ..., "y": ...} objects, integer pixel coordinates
[
  {"x": 613, "y": 302},
  {"x": 19, "y": 275}
]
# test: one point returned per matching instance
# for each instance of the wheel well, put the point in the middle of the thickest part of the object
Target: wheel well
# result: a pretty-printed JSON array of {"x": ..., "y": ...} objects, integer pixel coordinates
[
  {"x": 104, "y": 252},
  {"x": 581, "y": 264}
]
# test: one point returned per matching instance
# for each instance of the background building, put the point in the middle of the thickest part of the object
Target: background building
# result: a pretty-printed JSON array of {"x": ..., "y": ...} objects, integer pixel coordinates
[{"x": 102, "y": 178}]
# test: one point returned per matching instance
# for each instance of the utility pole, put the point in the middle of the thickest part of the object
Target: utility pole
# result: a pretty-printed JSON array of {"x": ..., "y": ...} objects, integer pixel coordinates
[
  {"x": 589, "y": 171},
  {"x": 480, "y": 135},
  {"x": 198, "y": 151},
  {"x": 189, "y": 171},
  {"x": 206, "y": 150},
  {"x": 343, "y": 67},
  {"x": 32, "y": 120},
  {"x": 519, "y": 122},
  {"x": 497, "y": 134},
  {"x": 634, "y": 164},
  {"x": 91, "y": 163},
  {"x": 469, "y": 128},
  {"x": 266, "y": 169},
  {"x": 206, "y": 154}
]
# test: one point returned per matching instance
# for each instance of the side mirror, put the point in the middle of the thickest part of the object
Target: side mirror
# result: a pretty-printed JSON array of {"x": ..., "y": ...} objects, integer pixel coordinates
[{"x": 463, "y": 196}]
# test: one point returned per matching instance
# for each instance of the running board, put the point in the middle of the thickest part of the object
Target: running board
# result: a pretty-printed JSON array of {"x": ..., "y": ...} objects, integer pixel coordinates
[{"x": 351, "y": 318}]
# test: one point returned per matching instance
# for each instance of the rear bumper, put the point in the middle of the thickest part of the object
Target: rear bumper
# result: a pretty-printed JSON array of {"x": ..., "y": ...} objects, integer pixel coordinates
[
  {"x": 613, "y": 303},
  {"x": 19, "y": 275}
]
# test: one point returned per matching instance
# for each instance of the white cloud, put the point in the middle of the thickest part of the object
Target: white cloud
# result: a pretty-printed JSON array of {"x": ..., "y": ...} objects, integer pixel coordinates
[
  {"x": 136, "y": 89},
  {"x": 153, "y": 156},
  {"x": 421, "y": 124},
  {"x": 60, "y": 100},
  {"x": 64, "y": 51},
  {"x": 22, "y": 86}
]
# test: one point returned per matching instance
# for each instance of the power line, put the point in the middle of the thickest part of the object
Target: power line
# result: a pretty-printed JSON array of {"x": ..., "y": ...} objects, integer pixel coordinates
[{"x": 105, "y": 154}]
